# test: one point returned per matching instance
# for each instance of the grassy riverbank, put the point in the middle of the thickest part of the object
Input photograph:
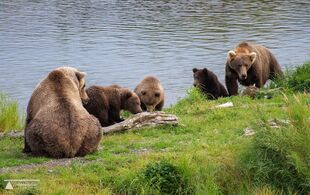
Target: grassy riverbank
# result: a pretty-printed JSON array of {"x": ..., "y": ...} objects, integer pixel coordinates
[
  {"x": 208, "y": 153},
  {"x": 10, "y": 118}
]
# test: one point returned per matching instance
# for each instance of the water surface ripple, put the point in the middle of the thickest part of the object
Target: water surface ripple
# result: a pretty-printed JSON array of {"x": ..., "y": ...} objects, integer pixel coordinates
[{"x": 123, "y": 41}]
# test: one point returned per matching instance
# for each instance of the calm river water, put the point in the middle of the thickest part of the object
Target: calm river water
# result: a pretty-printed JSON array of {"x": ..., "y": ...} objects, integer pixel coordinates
[{"x": 123, "y": 41}]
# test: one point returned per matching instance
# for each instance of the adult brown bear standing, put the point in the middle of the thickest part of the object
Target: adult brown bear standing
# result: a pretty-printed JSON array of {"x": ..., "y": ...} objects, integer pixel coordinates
[
  {"x": 250, "y": 64},
  {"x": 57, "y": 124}
]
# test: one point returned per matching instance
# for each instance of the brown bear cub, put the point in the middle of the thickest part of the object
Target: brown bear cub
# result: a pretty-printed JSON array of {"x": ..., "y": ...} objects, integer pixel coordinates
[
  {"x": 151, "y": 94},
  {"x": 105, "y": 103},
  {"x": 208, "y": 84},
  {"x": 250, "y": 64},
  {"x": 57, "y": 124}
]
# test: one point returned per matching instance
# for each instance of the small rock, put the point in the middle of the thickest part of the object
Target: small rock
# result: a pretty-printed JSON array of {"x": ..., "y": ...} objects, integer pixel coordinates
[
  {"x": 277, "y": 123},
  {"x": 225, "y": 105},
  {"x": 248, "y": 131},
  {"x": 250, "y": 91}
]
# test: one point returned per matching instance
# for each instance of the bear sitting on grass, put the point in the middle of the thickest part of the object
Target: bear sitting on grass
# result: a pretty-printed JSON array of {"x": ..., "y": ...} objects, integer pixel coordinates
[
  {"x": 57, "y": 124},
  {"x": 208, "y": 84}
]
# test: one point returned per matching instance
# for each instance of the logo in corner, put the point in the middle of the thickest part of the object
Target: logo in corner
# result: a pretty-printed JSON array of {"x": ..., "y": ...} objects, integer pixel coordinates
[
  {"x": 9, "y": 186},
  {"x": 20, "y": 183}
]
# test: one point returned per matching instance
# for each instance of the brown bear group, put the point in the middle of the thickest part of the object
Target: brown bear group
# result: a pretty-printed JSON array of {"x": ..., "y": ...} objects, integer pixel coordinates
[
  {"x": 250, "y": 64},
  {"x": 208, "y": 84},
  {"x": 151, "y": 94},
  {"x": 57, "y": 124},
  {"x": 64, "y": 119},
  {"x": 105, "y": 103}
]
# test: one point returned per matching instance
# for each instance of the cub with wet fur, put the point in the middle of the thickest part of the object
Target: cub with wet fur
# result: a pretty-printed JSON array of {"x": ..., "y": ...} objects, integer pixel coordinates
[
  {"x": 151, "y": 94},
  {"x": 105, "y": 103},
  {"x": 57, "y": 124},
  {"x": 250, "y": 64}
]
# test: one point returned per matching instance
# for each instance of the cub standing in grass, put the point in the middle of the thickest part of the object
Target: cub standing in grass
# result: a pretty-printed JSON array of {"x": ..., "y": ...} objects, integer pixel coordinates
[
  {"x": 208, "y": 84},
  {"x": 57, "y": 124},
  {"x": 105, "y": 103},
  {"x": 151, "y": 94},
  {"x": 250, "y": 64}
]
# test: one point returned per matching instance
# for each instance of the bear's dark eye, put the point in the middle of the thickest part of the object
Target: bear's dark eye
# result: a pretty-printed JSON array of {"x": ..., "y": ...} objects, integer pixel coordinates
[
  {"x": 157, "y": 94},
  {"x": 143, "y": 92}
]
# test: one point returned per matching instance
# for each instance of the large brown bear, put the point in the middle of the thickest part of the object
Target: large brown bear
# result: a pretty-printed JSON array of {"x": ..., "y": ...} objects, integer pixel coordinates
[
  {"x": 105, "y": 103},
  {"x": 250, "y": 64},
  {"x": 208, "y": 84},
  {"x": 57, "y": 124},
  {"x": 151, "y": 94}
]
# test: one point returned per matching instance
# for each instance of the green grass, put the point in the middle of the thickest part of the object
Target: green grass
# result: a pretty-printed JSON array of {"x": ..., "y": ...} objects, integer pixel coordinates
[
  {"x": 206, "y": 154},
  {"x": 281, "y": 156},
  {"x": 295, "y": 80},
  {"x": 11, "y": 155},
  {"x": 10, "y": 118}
]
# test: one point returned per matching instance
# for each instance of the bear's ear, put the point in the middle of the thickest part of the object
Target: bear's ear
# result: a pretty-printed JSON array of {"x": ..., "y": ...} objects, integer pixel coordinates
[
  {"x": 56, "y": 76},
  {"x": 128, "y": 94},
  {"x": 80, "y": 75},
  {"x": 231, "y": 55},
  {"x": 205, "y": 70},
  {"x": 195, "y": 70},
  {"x": 252, "y": 57}
]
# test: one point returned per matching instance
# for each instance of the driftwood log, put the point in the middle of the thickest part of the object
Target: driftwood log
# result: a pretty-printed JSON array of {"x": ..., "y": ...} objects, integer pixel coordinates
[
  {"x": 134, "y": 122},
  {"x": 141, "y": 120}
]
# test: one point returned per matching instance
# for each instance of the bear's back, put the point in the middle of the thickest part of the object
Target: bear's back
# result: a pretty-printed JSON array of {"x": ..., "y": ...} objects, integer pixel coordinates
[{"x": 57, "y": 122}]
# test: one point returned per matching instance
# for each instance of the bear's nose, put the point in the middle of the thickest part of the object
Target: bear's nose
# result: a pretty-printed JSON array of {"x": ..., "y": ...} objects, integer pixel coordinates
[{"x": 243, "y": 76}]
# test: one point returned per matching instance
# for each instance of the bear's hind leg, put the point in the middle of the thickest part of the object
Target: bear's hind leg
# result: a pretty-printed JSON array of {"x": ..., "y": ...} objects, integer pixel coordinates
[{"x": 90, "y": 143}]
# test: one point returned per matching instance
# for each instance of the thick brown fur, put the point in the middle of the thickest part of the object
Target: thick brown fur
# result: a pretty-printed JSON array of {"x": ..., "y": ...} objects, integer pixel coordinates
[
  {"x": 105, "y": 103},
  {"x": 57, "y": 124},
  {"x": 250, "y": 64},
  {"x": 151, "y": 94},
  {"x": 208, "y": 84}
]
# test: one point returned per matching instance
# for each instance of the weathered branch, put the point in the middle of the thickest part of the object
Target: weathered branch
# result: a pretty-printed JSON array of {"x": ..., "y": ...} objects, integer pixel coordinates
[
  {"x": 135, "y": 122},
  {"x": 141, "y": 120},
  {"x": 14, "y": 133}
]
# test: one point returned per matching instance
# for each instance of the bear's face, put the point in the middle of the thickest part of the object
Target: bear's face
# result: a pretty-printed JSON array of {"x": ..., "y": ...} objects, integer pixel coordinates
[
  {"x": 132, "y": 103},
  {"x": 200, "y": 77},
  {"x": 150, "y": 98},
  {"x": 241, "y": 63},
  {"x": 81, "y": 86}
]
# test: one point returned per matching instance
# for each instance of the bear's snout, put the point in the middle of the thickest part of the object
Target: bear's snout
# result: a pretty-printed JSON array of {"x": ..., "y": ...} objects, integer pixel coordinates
[
  {"x": 139, "y": 110},
  {"x": 243, "y": 76},
  {"x": 196, "y": 83}
]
